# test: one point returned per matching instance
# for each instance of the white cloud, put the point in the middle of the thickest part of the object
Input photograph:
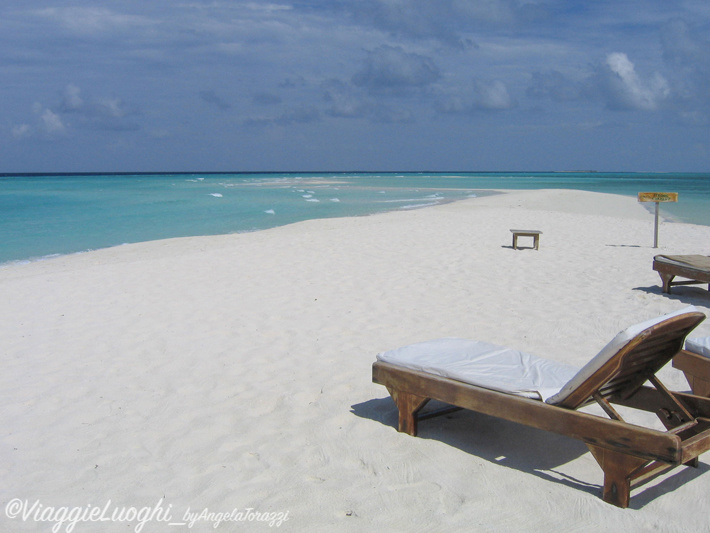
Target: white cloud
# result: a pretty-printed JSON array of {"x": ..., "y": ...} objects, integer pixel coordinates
[
  {"x": 21, "y": 131},
  {"x": 493, "y": 95},
  {"x": 109, "y": 113},
  {"x": 685, "y": 52},
  {"x": 349, "y": 64},
  {"x": 71, "y": 98},
  {"x": 91, "y": 20},
  {"x": 105, "y": 113},
  {"x": 51, "y": 122},
  {"x": 300, "y": 115},
  {"x": 112, "y": 107},
  {"x": 627, "y": 90},
  {"x": 344, "y": 100},
  {"x": 680, "y": 46},
  {"x": 267, "y": 7},
  {"x": 451, "y": 22},
  {"x": 554, "y": 85},
  {"x": 392, "y": 69},
  {"x": 480, "y": 96}
]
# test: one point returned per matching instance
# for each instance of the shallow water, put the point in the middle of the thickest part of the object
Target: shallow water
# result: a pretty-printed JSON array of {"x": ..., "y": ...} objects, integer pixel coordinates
[{"x": 45, "y": 215}]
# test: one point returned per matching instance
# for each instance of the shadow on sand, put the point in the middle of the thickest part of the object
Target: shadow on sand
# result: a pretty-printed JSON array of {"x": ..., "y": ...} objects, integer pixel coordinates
[
  {"x": 687, "y": 294},
  {"x": 530, "y": 450}
]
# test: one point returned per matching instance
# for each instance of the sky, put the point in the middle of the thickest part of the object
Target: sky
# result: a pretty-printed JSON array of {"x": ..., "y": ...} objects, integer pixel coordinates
[{"x": 345, "y": 85}]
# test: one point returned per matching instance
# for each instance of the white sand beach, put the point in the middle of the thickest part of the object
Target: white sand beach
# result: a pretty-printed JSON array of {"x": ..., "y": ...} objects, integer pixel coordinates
[{"x": 234, "y": 372}]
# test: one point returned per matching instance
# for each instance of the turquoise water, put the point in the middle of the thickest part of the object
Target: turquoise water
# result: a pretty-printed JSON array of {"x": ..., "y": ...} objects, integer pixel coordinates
[{"x": 58, "y": 214}]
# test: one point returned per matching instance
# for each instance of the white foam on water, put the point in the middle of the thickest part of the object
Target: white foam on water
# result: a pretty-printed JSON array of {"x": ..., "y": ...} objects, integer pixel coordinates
[
  {"x": 399, "y": 200},
  {"x": 216, "y": 194},
  {"x": 270, "y": 212},
  {"x": 416, "y": 206},
  {"x": 313, "y": 200},
  {"x": 335, "y": 199},
  {"x": 307, "y": 196}
]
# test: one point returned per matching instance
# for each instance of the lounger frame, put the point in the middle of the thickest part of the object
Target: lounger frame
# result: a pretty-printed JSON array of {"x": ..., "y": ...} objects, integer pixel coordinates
[
  {"x": 668, "y": 272},
  {"x": 627, "y": 453}
]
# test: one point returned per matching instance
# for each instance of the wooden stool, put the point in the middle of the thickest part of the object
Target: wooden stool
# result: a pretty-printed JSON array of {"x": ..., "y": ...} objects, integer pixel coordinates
[{"x": 535, "y": 234}]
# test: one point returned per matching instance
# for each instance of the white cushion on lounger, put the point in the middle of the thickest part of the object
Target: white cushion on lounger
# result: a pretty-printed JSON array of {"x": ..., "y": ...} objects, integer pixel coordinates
[
  {"x": 699, "y": 345},
  {"x": 608, "y": 351},
  {"x": 507, "y": 370},
  {"x": 485, "y": 365}
]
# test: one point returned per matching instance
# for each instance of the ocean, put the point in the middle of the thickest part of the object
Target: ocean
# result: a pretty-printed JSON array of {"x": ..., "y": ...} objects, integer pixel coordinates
[{"x": 48, "y": 215}]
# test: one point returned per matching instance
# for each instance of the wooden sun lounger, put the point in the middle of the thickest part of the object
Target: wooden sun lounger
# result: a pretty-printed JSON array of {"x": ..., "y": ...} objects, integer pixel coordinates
[
  {"x": 627, "y": 453},
  {"x": 695, "y": 268}
]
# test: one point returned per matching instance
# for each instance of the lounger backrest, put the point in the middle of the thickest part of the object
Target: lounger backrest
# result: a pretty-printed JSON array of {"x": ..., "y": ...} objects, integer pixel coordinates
[{"x": 624, "y": 365}]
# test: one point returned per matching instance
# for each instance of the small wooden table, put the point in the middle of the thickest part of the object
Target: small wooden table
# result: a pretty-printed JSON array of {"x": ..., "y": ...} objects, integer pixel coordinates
[{"x": 535, "y": 234}]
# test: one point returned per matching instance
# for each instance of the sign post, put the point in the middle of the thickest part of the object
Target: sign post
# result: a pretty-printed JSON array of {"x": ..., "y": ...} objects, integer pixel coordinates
[{"x": 657, "y": 197}]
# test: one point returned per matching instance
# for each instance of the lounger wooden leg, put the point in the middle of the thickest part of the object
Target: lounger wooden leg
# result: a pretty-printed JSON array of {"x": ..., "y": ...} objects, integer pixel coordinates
[
  {"x": 695, "y": 462},
  {"x": 617, "y": 468},
  {"x": 697, "y": 371},
  {"x": 666, "y": 279},
  {"x": 699, "y": 386},
  {"x": 408, "y": 405}
]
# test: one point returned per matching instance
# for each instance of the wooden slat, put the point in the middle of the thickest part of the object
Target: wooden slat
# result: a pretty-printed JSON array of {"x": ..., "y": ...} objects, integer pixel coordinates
[
  {"x": 649, "y": 471},
  {"x": 683, "y": 427},
  {"x": 695, "y": 446},
  {"x": 608, "y": 408},
  {"x": 677, "y": 406},
  {"x": 439, "y": 412},
  {"x": 649, "y": 399}
]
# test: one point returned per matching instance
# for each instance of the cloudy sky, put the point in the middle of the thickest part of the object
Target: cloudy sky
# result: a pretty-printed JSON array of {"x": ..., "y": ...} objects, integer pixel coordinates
[{"x": 172, "y": 85}]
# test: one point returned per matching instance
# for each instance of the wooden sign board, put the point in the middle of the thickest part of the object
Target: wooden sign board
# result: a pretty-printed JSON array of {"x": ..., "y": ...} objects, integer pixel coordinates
[{"x": 658, "y": 197}]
